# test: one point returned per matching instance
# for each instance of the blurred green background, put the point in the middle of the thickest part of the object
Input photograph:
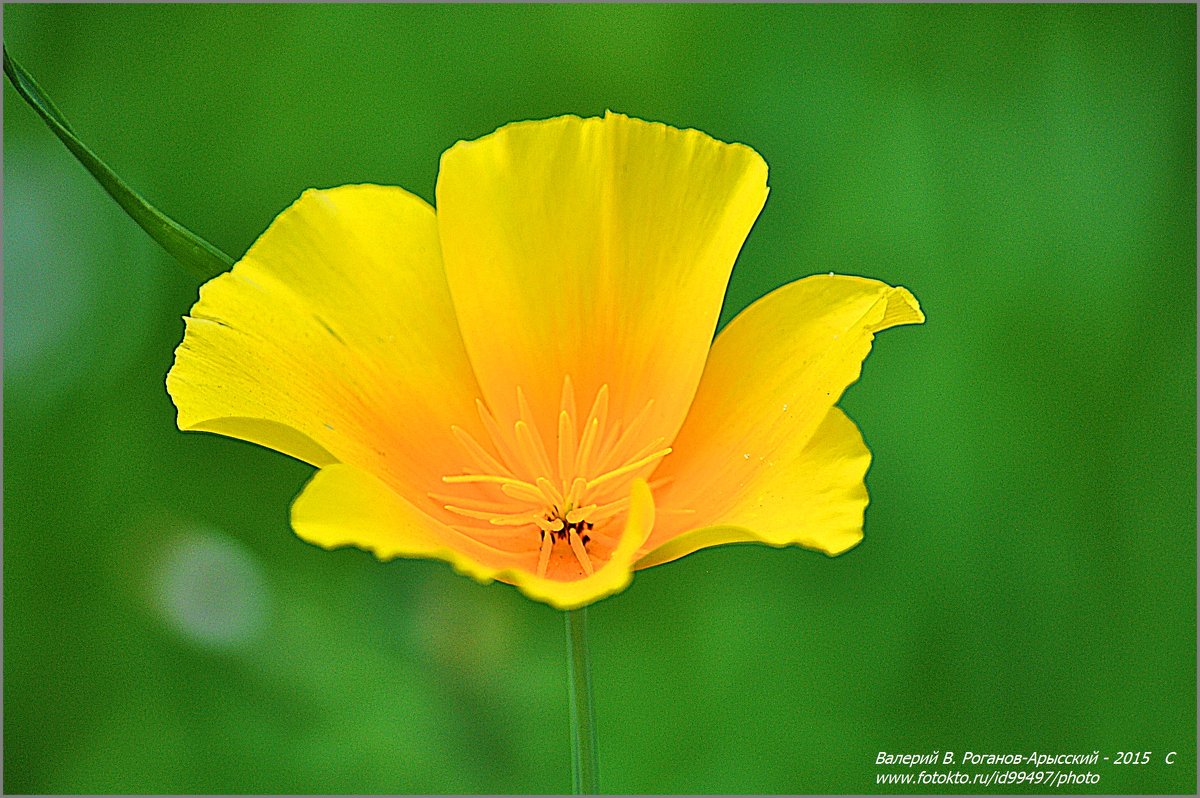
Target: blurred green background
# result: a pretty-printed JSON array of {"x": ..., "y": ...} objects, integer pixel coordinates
[{"x": 1027, "y": 582}]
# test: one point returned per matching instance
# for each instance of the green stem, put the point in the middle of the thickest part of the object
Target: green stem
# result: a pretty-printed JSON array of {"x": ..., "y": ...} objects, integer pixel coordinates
[
  {"x": 193, "y": 252},
  {"x": 585, "y": 766}
]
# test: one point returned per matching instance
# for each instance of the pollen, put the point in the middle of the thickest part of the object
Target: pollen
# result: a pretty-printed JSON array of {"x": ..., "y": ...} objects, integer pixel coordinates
[{"x": 556, "y": 492}]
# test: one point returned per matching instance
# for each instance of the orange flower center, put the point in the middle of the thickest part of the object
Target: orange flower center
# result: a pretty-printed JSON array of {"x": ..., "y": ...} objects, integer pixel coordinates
[{"x": 554, "y": 494}]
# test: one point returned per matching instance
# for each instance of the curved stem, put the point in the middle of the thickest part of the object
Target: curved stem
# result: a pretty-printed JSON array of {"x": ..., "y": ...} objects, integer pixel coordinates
[
  {"x": 585, "y": 766},
  {"x": 203, "y": 259}
]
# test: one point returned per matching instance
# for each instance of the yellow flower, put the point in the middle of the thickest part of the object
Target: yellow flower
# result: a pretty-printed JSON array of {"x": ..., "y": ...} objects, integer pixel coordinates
[{"x": 522, "y": 383}]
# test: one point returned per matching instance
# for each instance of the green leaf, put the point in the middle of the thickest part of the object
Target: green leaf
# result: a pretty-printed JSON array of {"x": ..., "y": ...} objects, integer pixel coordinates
[{"x": 193, "y": 252}]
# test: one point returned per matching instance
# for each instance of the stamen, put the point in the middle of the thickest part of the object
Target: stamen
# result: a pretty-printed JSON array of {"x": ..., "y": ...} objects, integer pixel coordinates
[
  {"x": 551, "y": 493},
  {"x": 596, "y": 418},
  {"x": 568, "y": 401},
  {"x": 577, "y": 515},
  {"x": 515, "y": 519},
  {"x": 626, "y": 434},
  {"x": 483, "y": 460},
  {"x": 625, "y": 469},
  {"x": 585, "y": 445},
  {"x": 607, "y": 511},
  {"x": 484, "y": 505},
  {"x": 658, "y": 483},
  {"x": 563, "y": 492},
  {"x": 466, "y": 479},
  {"x": 576, "y": 492},
  {"x": 494, "y": 432},
  {"x": 580, "y": 552},
  {"x": 531, "y": 447},
  {"x": 498, "y": 519},
  {"x": 544, "y": 556},
  {"x": 566, "y": 445},
  {"x": 550, "y": 524},
  {"x": 648, "y": 449},
  {"x": 605, "y": 449},
  {"x": 527, "y": 493},
  {"x": 528, "y": 417},
  {"x": 674, "y": 510},
  {"x": 599, "y": 409}
]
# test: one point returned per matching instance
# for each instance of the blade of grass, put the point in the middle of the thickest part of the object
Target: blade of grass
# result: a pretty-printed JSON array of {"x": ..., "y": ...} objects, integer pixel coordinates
[{"x": 195, "y": 254}]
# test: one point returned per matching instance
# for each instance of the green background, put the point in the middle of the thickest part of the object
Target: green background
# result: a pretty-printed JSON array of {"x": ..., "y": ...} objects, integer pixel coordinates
[{"x": 1027, "y": 581}]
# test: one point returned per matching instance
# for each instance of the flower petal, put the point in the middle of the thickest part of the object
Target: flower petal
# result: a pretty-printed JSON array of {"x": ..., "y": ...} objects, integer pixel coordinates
[
  {"x": 343, "y": 505},
  {"x": 812, "y": 496},
  {"x": 595, "y": 248},
  {"x": 771, "y": 381},
  {"x": 346, "y": 506},
  {"x": 334, "y": 339}
]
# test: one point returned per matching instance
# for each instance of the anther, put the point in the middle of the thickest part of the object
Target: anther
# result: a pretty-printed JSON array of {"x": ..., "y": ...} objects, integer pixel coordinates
[
  {"x": 580, "y": 552},
  {"x": 544, "y": 556}
]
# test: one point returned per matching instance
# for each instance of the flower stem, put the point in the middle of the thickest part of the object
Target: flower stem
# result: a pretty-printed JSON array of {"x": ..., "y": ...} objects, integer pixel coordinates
[
  {"x": 195, "y": 254},
  {"x": 585, "y": 766}
]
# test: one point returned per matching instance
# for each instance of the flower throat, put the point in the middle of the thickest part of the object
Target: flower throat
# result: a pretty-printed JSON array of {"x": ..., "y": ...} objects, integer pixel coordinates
[{"x": 552, "y": 501}]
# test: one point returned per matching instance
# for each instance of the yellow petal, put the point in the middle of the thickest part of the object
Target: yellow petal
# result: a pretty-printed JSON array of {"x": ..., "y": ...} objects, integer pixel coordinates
[
  {"x": 595, "y": 248},
  {"x": 771, "y": 380},
  {"x": 334, "y": 339},
  {"x": 810, "y": 495},
  {"x": 343, "y": 505},
  {"x": 346, "y": 506}
]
